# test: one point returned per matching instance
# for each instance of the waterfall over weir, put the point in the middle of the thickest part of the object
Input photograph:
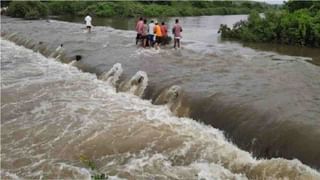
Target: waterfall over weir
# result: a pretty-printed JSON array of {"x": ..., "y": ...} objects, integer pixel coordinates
[
  {"x": 136, "y": 85},
  {"x": 113, "y": 75},
  {"x": 55, "y": 118},
  {"x": 120, "y": 108}
]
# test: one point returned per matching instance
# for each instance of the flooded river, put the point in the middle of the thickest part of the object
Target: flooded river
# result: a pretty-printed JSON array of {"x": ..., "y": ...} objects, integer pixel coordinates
[
  {"x": 205, "y": 29},
  {"x": 140, "y": 113}
]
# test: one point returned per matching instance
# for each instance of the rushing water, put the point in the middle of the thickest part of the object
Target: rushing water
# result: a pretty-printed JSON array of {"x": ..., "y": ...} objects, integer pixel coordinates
[
  {"x": 266, "y": 103},
  {"x": 55, "y": 118}
]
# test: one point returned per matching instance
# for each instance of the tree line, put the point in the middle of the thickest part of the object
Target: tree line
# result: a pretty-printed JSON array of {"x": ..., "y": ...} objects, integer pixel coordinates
[{"x": 38, "y": 9}]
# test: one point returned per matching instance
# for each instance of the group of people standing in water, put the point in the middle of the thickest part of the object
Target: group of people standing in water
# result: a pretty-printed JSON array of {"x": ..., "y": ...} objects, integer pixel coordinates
[
  {"x": 152, "y": 34},
  {"x": 155, "y": 34}
]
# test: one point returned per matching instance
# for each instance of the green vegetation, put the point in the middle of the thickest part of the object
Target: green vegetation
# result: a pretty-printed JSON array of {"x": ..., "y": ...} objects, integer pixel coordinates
[
  {"x": 90, "y": 164},
  {"x": 99, "y": 177},
  {"x": 4, "y": 3},
  {"x": 155, "y": 8},
  {"x": 134, "y": 8},
  {"x": 28, "y": 9},
  {"x": 297, "y": 23}
]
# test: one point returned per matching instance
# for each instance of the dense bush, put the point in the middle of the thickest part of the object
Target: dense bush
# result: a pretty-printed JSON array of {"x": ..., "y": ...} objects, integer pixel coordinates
[
  {"x": 134, "y": 9},
  {"x": 32, "y": 14},
  {"x": 68, "y": 7},
  {"x": 100, "y": 9},
  {"x": 293, "y": 5},
  {"x": 299, "y": 27},
  {"x": 27, "y": 9}
]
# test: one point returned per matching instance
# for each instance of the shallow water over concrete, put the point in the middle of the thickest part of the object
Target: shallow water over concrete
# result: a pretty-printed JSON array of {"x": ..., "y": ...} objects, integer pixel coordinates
[
  {"x": 205, "y": 29},
  {"x": 265, "y": 103}
]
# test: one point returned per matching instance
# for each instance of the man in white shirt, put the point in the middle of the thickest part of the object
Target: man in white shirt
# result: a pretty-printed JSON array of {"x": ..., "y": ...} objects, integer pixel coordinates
[
  {"x": 88, "y": 20},
  {"x": 151, "y": 33}
]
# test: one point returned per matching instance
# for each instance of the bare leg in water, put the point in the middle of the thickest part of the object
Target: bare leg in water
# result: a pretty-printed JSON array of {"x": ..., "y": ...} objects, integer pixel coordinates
[
  {"x": 176, "y": 42},
  {"x": 145, "y": 42}
]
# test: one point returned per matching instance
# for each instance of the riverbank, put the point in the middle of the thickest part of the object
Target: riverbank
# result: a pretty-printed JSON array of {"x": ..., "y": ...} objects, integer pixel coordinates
[
  {"x": 242, "y": 95},
  {"x": 297, "y": 25}
]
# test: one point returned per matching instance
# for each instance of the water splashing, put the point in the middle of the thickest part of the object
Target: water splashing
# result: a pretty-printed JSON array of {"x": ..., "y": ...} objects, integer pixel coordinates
[
  {"x": 113, "y": 75},
  {"x": 57, "y": 52},
  {"x": 137, "y": 84},
  {"x": 173, "y": 98}
]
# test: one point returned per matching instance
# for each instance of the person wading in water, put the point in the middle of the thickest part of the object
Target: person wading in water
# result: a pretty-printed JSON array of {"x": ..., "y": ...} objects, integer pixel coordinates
[
  {"x": 157, "y": 31},
  {"x": 150, "y": 33},
  {"x": 88, "y": 20},
  {"x": 139, "y": 29},
  {"x": 176, "y": 31},
  {"x": 145, "y": 33},
  {"x": 164, "y": 31}
]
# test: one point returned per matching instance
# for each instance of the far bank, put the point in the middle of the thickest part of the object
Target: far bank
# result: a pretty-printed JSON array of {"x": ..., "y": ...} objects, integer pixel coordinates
[{"x": 35, "y": 10}]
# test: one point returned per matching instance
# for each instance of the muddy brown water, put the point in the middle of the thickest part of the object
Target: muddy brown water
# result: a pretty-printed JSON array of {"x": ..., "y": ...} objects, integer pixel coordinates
[
  {"x": 204, "y": 29},
  {"x": 266, "y": 103}
]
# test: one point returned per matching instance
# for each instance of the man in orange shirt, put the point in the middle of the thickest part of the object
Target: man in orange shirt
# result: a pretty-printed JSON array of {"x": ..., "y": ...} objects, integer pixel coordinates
[
  {"x": 157, "y": 31},
  {"x": 164, "y": 31}
]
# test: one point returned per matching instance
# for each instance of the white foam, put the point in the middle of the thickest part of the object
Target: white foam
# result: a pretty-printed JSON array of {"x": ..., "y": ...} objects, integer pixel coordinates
[
  {"x": 9, "y": 175},
  {"x": 136, "y": 85},
  {"x": 148, "y": 51},
  {"x": 113, "y": 75}
]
